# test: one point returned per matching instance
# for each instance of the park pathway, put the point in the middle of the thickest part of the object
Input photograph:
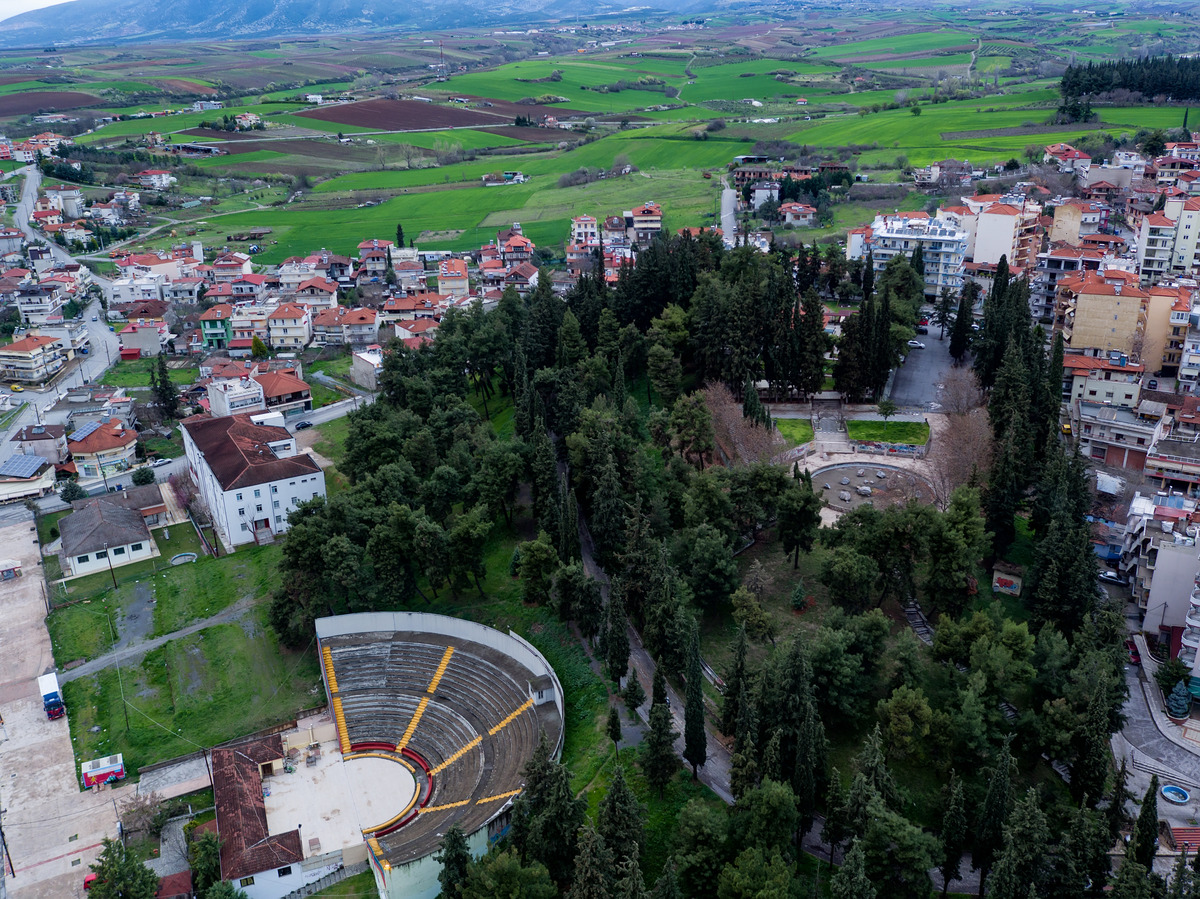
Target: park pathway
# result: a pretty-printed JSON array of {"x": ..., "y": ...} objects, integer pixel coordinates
[{"x": 138, "y": 648}]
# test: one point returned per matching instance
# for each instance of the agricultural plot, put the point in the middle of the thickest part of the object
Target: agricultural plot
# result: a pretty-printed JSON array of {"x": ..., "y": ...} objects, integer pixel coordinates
[
  {"x": 504, "y": 83},
  {"x": 29, "y": 102},
  {"x": 401, "y": 115},
  {"x": 877, "y": 49}
]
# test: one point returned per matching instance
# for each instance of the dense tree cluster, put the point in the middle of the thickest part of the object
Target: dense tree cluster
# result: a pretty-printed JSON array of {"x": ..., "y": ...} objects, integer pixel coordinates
[{"x": 1176, "y": 77}]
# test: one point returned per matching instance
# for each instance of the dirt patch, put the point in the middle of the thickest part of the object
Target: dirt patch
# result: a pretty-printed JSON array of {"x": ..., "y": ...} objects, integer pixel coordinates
[
  {"x": 31, "y": 101},
  {"x": 439, "y": 235},
  {"x": 511, "y": 110},
  {"x": 137, "y": 623},
  {"x": 402, "y": 115},
  {"x": 536, "y": 135},
  {"x": 220, "y": 134},
  {"x": 181, "y": 86}
]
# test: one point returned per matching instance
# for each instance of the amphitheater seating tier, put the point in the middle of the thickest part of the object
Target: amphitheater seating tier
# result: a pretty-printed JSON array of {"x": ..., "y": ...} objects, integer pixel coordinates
[{"x": 382, "y": 679}]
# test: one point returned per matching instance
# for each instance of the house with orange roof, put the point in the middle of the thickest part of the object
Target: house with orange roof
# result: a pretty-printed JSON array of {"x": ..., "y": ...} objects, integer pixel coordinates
[
  {"x": 32, "y": 360},
  {"x": 289, "y": 327},
  {"x": 1097, "y": 312},
  {"x": 317, "y": 292},
  {"x": 422, "y": 327},
  {"x": 216, "y": 326},
  {"x": 1010, "y": 230},
  {"x": 800, "y": 214},
  {"x": 106, "y": 446},
  {"x": 284, "y": 393},
  {"x": 644, "y": 222},
  {"x": 452, "y": 278},
  {"x": 1067, "y": 158},
  {"x": 1163, "y": 327},
  {"x": 342, "y": 326},
  {"x": 228, "y": 267},
  {"x": 1114, "y": 379},
  {"x": 155, "y": 179}
]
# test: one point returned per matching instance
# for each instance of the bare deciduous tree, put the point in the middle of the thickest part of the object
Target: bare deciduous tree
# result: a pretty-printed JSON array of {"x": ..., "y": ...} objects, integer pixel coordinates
[
  {"x": 743, "y": 440},
  {"x": 960, "y": 392},
  {"x": 961, "y": 454}
]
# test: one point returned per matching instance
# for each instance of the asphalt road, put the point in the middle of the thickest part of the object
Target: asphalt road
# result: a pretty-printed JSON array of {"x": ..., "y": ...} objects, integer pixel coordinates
[
  {"x": 729, "y": 215},
  {"x": 918, "y": 379}
]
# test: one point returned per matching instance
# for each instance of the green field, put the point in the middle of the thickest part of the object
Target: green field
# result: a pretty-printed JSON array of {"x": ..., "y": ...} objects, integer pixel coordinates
[
  {"x": 795, "y": 430},
  {"x": 913, "y": 433},
  {"x": 137, "y": 374},
  {"x": 902, "y": 43}
]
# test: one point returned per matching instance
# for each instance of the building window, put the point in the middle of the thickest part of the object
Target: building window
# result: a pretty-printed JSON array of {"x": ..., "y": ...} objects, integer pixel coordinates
[
  {"x": 241, "y": 512},
  {"x": 244, "y": 527},
  {"x": 81, "y": 559},
  {"x": 257, "y": 494},
  {"x": 119, "y": 551},
  {"x": 137, "y": 548},
  {"x": 275, "y": 504},
  {"x": 258, "y": 508},
  {"x": 102, "y": 554},
  {"x": 285, "y": 872},
  {"x": 274, "y": 489},
  {"x": 278, "y": 519},
  {"x": 246, "y": 882},
  {"x": 238, "y": 497}
]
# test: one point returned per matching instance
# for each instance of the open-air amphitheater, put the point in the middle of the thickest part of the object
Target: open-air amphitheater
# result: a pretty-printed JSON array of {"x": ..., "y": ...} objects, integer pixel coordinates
[{"x": 434, "y": 719}]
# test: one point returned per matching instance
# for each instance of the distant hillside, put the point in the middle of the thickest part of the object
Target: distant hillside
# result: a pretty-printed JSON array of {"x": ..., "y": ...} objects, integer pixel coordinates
[{"x": 82, "y": 21}]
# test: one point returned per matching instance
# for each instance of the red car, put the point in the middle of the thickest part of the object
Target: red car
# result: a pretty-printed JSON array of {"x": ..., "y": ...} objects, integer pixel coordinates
[{"x": 1135, "y": 658}]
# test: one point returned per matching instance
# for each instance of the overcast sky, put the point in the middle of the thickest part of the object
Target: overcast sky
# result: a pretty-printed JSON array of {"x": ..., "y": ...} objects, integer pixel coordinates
[{"x": 12, "y": 7}]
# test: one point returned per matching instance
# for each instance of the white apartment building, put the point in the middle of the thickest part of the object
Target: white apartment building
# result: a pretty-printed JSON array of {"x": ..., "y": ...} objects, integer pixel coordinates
[
  {"x": 943, "y": 247},
  {"x": 250, "y": 473},
  {"x": 235, "y": 396}
]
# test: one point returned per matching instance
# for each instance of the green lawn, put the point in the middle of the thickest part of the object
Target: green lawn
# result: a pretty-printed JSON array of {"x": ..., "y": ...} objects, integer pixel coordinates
[
  {"x": 199, "y": 690},
  {"x": 795, "y": 430},
  {"x": 137, "y": 374},
  {"x": 359, "y": 886},
  {"x": 914, "y": 433}
]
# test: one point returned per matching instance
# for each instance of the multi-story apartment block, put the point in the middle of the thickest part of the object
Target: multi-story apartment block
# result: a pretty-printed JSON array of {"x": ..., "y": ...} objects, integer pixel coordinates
[
  {"x": 943, "y": 247},
  {"x": 1059, "y": 260},
  {"x": 1097, "y": 312}
]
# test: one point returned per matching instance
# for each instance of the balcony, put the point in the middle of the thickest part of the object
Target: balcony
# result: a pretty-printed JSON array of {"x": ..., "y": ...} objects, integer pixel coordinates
[
  {"x": 1191, "y": 639},
  {"x": 1193, "y": 619}
]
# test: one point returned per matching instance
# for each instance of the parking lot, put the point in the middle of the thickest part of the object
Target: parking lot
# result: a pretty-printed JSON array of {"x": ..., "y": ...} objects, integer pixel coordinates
[
  {"x": 52, "y": 830},
  {"x": 918, "y": 378}
]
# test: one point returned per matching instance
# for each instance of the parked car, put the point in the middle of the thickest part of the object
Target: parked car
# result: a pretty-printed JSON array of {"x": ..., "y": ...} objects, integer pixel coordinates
[
  {"x": 1135, "y": 657},
  {"x": 16, "y": 388},
  {"x": 1111, "y": 577},
  {"x": 159, "y": 463},
  {"x": 303, "y": 425},
  {"x": 95, "y": 318},
  {"x": 1152, "y": 384},
  {"x": 916, "y": 344}
]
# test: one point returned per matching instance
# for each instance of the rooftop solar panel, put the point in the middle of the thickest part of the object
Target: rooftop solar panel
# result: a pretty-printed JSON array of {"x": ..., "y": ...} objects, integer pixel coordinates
[
  {"x": 21, "y": 466},
  {"x": 85, "y": 431}
]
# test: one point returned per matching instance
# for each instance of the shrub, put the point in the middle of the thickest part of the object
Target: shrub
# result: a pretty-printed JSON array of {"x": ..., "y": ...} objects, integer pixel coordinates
[
  {"x": 1170, "y": 673},
  {"x": 1179, "y": 703}
]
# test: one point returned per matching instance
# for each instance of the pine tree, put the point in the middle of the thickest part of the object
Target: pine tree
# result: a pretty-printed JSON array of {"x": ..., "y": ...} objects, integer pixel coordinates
[
  {"x": 954, "y": 834},
  {"x": 120, "y": 873},
  {"x": 546, "y": 817},
  {"x": 850, "y": 881},
  {"x": 593, "y": 867},
  {"x": 694, "y": 734},
  {"x": 455, "y": 856},
  {"x": 658, "y": 757},
  {"x": 1023, "y": 865},
  {"x": 1089, "y": 773},
  {"x": 629, "y": 883},
  {"x": 1143, "y": 843},
  {"x": 620, "y": 819},
  {"x": 1182, "y": 878},
  {"x": 1133, "y": 882},
  {"x": 667, "y": 885}
]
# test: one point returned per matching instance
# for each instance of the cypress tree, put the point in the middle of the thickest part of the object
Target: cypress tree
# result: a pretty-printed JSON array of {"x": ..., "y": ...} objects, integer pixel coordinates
[
  {"x": 1089, "y": 773},
  {"x": 694, "y": 734},
  {"x": 918, "y": 261},
  {"x": 614, "y": 729},
  {"x": 1115, "y": 816},
  {"x": 954, "y": 834},
  {"x": 658, "y": 757},
  {"x": 633, "y": 694},
  {"x": 960, "y": 333},
  {"x": 812, "y": 761},
  {"x": 868, "y": 277},
  {"x": 1145, "y": 831},
  {"x": 667, "y": 885},
  {"x": 616, "y": 634},
  {"x": 735, "y": 685},
  {"x": 989, "y": 829}
]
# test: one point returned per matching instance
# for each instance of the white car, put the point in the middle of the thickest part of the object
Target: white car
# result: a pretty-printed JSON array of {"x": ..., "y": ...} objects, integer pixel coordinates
[
  {"x": 1110, "y": 577},
  {"x": 159, "y": 463},
  {"x": 916, "y": 344}
]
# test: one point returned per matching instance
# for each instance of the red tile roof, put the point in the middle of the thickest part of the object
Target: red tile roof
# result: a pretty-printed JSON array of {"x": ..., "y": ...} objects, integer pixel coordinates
[
  {"x": 278, "y": 383},
  {"x": 28, "y": 344},
  {"x": 238, "y": 452},
  {"x": 247, "y": 847}
]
